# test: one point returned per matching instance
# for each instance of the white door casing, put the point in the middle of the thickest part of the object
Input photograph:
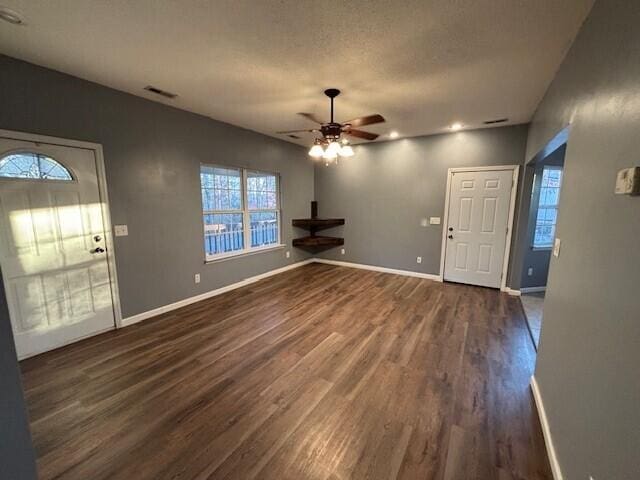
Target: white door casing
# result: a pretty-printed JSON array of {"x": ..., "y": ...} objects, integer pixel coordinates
[
  {"x": 477, "y": 230},
  {"x": 53, "y": 243}
]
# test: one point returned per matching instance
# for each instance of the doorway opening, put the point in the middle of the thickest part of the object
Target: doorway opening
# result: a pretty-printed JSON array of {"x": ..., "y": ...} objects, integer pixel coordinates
[{"x": 544, "y": 176}]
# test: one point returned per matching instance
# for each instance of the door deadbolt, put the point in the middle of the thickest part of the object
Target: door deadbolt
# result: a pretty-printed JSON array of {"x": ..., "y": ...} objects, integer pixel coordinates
[{"x": 97, "y": 238}]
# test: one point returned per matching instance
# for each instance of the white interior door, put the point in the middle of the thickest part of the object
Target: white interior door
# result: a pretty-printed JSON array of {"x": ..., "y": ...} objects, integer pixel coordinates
[
  {"x": 478, "y": 216},
  {"x": 52, "y": 247}
]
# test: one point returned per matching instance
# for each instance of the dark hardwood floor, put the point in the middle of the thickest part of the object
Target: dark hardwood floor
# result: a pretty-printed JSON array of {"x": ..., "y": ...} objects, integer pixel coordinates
[{"x": 319, "y": 373}]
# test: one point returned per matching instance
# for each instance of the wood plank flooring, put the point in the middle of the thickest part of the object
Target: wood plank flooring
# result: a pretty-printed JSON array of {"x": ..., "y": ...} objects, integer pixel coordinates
[{"x": 321, "y": 372}]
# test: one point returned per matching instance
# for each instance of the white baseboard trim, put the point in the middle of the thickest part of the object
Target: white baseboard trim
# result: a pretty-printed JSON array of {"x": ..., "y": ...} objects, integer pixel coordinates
[
  {"x": 203, "y": 296},
  {"x": 511, "y": 291},
  {"x": 406, "y": 273},
  {"x": 533, "y": 289},
  {"x": 542, "y": 415}
]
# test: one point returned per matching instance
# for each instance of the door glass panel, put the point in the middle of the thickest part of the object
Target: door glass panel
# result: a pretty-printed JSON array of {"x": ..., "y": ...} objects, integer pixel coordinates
[{"x": 33, "y": 166}]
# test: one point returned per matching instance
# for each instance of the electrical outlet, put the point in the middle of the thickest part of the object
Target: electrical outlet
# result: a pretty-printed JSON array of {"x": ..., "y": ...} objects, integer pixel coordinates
[
  {"x": 287, "y": 254},
  {"x": 419, "y": 260},
  {"x": 530, "y": 271},
  {"x": 196, "y": 278},
  {"x": 342, "y": 251}
]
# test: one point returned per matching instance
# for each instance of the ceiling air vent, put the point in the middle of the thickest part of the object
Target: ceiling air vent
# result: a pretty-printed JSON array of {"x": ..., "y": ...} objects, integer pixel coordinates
[
  {"x": 159, "y": 91},
  {"x": 498, "y": 120}
]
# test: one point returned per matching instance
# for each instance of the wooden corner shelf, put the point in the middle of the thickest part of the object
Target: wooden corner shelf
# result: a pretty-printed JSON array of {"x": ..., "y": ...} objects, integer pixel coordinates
[
  {"x": 315, "y": 242},
  {"x": 318, "y": 241},
  {"x": 317, "y": 223}
]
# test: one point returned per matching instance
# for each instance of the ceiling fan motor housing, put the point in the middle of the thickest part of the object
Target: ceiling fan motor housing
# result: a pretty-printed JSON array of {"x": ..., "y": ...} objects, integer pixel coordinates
[{"x": 331, "y": 130}]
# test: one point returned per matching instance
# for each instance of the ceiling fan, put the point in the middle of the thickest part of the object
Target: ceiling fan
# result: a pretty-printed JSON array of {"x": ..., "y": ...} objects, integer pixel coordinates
[{"x": 332, "y": 132}]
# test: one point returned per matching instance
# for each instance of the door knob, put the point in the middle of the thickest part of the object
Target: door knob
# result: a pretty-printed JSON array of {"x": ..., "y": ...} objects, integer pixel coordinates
[
  {"x": 450, "y": 237},
  {"x": 98, "y": 250}
]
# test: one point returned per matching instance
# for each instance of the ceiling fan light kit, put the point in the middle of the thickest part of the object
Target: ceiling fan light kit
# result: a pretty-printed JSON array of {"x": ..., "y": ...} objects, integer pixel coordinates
[
  {"x": 346, "y": 151},
  {"x": 332, "y": 145},
  {"x": 316, "y": 151}
]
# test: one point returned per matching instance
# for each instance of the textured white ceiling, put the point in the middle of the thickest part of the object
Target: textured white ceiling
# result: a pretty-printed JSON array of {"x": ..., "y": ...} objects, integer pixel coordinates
[{"x": 423, "y": 64}]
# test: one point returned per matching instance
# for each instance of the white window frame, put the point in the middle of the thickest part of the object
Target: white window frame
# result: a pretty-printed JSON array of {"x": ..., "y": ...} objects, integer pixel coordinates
[
  {"x": 539, "y": 206},
  {"x": 245, "y": 211}
]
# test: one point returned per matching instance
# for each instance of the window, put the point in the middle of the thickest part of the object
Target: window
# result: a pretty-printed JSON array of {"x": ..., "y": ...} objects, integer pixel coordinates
[
  {"x": 241, "y": 210},
  {"x": 32, "y": 166},
  {"x": 547, "y": 207}
]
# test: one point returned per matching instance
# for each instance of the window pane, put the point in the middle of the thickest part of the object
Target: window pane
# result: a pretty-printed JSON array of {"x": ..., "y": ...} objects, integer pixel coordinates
[
  {"x": 32, "y": 166},
  {"x": 549, "y": 196},
  {"x": 264, "y": 228},
  {"x": 223, "y": 233},
  {"x": 221, "y": 188},
  {"x": 262, "y": 191},
  {"x": 551, "y": 177},
  {"x": 544, "y": 236}
]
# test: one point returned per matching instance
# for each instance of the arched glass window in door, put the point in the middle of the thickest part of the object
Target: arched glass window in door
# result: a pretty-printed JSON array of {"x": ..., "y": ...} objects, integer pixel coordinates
[{"x": 32, "y": 166}]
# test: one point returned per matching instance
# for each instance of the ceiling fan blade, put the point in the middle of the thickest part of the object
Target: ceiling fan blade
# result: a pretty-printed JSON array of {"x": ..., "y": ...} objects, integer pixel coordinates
[
  {"x": 368, "y": 120},
  {"x": 311, "y": 117},
  {"x": 307, "y": 130},
  {"x": 361, "y": 134}
]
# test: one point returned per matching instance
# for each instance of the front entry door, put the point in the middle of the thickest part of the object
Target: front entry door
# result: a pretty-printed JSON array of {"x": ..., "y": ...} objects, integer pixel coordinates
[
  {"x": 52, "y": 246},
  {"x": 478, "y": 217}
]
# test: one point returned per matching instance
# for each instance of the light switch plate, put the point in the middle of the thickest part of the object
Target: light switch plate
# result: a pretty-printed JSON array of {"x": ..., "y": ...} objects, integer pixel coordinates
[
  {"x": 120, "y": 230},
  {"x": 556, "y": 247},
  {"x": 434, "y": 220}
]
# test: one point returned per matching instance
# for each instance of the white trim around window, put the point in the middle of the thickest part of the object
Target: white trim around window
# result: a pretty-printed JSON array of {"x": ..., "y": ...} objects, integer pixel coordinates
[{"x": 241, "y": 211}]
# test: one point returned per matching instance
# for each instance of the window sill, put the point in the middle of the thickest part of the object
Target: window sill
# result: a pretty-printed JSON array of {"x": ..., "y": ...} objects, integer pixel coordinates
[
  {"x": 542, "y": 249},
  {"x": 244, "y": 253}
]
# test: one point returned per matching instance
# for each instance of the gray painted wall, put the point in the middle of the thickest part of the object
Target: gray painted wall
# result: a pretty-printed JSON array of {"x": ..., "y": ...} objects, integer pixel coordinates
[
  {"x": 17, "y": 457},
  {"x": 539, "y": 259},
  {"x": 152, "y": 155},
  {"x": 590, "y": 347},
  {"x": 385, "y": 190}
]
